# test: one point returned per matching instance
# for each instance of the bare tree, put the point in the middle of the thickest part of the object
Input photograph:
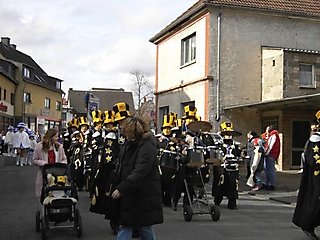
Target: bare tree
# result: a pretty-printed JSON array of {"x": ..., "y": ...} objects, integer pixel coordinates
[{"x": 141, "y": 87}]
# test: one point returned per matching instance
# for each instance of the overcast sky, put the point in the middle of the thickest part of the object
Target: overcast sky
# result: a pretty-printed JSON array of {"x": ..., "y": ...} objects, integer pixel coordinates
[{"x": 92, "y": 43}]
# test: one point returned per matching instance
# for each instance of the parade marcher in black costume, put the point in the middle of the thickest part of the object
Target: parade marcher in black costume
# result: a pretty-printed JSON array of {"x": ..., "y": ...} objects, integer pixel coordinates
[
  {"x": 84, "y": 128},
  {"x": 168, "y": 156},
  {"x": 96, "y": 146},
  {"x": 72, "y": 126},
  {"x": 307, "y": 211},
  {"x": 106, "y": 161},
  {"x": 76, "y": 159},
  {"x": 186, "y": 141},
  {"x": 226, "y": 178}
]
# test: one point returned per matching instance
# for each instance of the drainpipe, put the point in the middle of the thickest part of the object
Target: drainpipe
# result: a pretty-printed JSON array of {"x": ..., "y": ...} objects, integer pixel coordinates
[{"x": 218, "y": 67}]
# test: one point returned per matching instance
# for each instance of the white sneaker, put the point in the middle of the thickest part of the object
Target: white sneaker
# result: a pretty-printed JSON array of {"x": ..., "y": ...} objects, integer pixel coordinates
[
  {"x": 300, "y": 171},
  {"x": 17, "y": 163},
  {"x": 21, "y": 164}
]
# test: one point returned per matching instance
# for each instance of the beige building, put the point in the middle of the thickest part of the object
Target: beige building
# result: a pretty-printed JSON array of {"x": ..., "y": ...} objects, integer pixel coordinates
[
  {"x": 246, "y": 62},
  {"x": 35, "y": 97}
]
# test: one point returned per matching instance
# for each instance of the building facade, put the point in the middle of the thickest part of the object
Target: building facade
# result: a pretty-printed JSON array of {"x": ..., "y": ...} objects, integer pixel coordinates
[
  {"x": 246, "y": 62},
  {"x": 32, "y": 96}
]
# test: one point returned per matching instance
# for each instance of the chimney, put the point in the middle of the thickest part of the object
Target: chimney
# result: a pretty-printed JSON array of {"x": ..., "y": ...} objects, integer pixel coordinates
[
  {"x": 5, "y": 41},
  {"x": 14, "y": 46}
]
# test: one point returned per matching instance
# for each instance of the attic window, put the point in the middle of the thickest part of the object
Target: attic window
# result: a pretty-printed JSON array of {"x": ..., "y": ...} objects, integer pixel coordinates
[
  {"x": 273, "y": 62},
  {"x": 26, "y": 72},
  {"x": 58, "y": 84}
]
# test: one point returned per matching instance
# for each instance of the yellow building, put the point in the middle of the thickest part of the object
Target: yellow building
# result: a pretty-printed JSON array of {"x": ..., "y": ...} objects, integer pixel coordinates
[
  {"x": 35, "y": 97},
  {"x": 7, "y": 89}
]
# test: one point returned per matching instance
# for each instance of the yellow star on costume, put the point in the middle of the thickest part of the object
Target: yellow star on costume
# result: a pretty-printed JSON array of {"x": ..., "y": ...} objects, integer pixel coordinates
[
  {"x": 316, "y": 157},
  {"x": 109, "y": 143},
  {"x": 316, "y": 173},
  {"x": 315, "y": 149},
  {"x": 108, "y": 158},
  {"x": 121, "y": 139},
  {"x": 108, "y": 151},
  {"x": 172, "y": 148}
]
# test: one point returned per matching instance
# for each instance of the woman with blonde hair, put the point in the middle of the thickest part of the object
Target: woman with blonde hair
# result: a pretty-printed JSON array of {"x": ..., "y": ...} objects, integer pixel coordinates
[
  {"x": 139, "y": 189},
  {"x": 48, "y": 151}
]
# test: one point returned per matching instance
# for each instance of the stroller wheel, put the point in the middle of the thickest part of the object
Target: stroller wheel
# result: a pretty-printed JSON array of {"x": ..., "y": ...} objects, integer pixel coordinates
[
  {"x": 38, "y": 221},
  {"x": 187, "y": 213},
  {"x": 215, "y": 213},
  {"x": 78, "y": 223},
  {"x": 44, "y": 229}
]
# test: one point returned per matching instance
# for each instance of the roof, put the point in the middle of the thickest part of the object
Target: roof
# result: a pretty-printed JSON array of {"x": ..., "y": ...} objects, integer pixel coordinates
[
  {"x": 107, "y": 98},
  {"x": 41, "y": 78},
  {"x": 302, "y": 8},
  {"x": 311, "y": 102},
  {"x": 6, "y": 69}
]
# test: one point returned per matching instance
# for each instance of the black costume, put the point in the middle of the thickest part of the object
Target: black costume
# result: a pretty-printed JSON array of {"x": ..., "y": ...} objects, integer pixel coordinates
[
  {"x": 76, "y": 160},
  {"x": 226, "y": 177},
  {"x": 307, "y": 211}
]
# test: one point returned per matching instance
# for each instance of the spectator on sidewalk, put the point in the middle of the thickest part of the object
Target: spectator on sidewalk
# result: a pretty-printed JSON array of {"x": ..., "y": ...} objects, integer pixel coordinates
[
  {"x": 255, "y": 151},
  {"x": 272, "y": 151},
  {"x": 307, "y": 212}
]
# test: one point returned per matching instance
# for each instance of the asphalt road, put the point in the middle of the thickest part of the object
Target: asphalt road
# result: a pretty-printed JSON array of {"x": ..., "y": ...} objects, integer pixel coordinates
[{"x": 257, "y": 216}]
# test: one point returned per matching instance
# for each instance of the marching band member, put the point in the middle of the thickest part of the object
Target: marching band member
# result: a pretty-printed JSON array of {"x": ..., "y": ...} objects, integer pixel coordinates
[
  {"x": 96, "y": 145},
  {"x": 84, "y": 128},
  {"x": 187, "y": 140},
  {"x": 76, "y": 159},
  {"x": 72, "y": 126},
  {"x": 107, "y": 159},
  {"x": 307, "y": 211},
  {"x": 167, "y": 150},
  {"x": 226, "y": 179}
]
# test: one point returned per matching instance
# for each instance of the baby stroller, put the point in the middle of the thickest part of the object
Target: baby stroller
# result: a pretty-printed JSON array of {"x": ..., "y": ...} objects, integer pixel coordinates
[{"x": 59, "y": 198}]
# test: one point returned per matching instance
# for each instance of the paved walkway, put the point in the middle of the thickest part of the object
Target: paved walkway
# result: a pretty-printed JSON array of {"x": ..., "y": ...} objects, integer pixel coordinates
[{"x": 287, "y": 185}]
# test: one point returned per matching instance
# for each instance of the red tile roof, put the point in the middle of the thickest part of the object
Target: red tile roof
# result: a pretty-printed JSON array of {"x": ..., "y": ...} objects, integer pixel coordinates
[
  {"x": 296, "y": 7},
  {"x": 306, "y": 8}
]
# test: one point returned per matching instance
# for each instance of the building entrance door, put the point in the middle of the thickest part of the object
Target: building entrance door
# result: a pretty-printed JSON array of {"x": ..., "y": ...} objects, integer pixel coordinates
[{"x": 300, "y": 134}]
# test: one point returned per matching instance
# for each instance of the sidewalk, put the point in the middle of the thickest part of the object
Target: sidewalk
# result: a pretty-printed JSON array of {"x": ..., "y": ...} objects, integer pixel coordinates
[{"x": 287, "y": 185}]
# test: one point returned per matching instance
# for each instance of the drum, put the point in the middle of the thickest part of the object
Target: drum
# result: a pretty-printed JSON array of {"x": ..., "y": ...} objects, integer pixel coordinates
[
  {"x": 168, "y": 165},
  {"x": 213, "y": 155},
  {"x": 231, "y": 164},
  {"x": 193, "y": 177},
  {"x": 168, "y": 159},
  {"x": 195, "y": 156}
]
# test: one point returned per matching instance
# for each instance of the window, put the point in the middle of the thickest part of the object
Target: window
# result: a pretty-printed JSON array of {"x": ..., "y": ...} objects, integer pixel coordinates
[
  {"x": 0, "y": 93},
  {"x": 58, "y": 84},
  {"x": 27, "y": 97},
  {"x": 188, "y": 49},
  {"x": 58, "y": 105},
  {"x": 163, "y": 111},
  {"x": 26, "y": 72},
  {"x": 47, "y": 102},
  {"x": 306, "y": 75},
  {"x": 4, "y": 94},
  {"x": 12, "y": 98}
]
